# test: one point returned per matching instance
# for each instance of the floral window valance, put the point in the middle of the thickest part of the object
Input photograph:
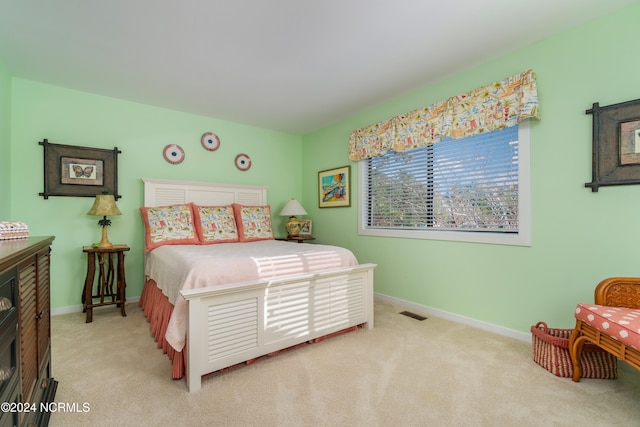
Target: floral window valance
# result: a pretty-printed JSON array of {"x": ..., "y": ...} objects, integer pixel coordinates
[{"x": 499, "y": 105}]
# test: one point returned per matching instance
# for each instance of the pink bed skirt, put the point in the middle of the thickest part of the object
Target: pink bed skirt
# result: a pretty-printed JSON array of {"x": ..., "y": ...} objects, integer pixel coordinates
[{"x": 157, "y": 309}]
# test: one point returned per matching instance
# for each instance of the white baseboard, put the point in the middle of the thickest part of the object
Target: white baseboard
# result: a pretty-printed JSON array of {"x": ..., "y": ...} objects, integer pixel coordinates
[
  {"x": 78, "y": 308},
  {"x": 422, "y": 309}
]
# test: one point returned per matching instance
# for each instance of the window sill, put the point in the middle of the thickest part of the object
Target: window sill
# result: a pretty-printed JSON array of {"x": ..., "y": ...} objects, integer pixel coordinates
[{"x": 514, "y": 239}]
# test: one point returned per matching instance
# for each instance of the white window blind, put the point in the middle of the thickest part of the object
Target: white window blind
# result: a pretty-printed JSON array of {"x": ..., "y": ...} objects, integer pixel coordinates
[{"x": 469, "y": 184}]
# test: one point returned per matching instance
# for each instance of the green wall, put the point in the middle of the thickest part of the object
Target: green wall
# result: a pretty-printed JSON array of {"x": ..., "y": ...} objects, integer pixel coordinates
[
  {"x": 5, "y": 143},
  {"x": 141, "y": 132},
  {"x": 578, "y": 237}
]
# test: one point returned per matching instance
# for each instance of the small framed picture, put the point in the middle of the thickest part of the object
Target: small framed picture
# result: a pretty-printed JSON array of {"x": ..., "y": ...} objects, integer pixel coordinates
[
  {"x": 334, "y": 187},
  {"x": 306, "y": 226},
  {"x": 630, "y": 142},
  {"x": 82, "y": 171}
]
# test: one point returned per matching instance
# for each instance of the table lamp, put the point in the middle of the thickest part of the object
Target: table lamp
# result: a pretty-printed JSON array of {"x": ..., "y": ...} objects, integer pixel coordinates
[
  {"x": 291, "y": 209},
  {"x": 104, "y": 205}
]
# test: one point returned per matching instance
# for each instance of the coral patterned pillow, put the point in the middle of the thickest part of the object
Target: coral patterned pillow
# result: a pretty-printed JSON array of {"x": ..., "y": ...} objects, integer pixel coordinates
[
  {"x": 215, "y": 224},
  {"x": 254, "y": 222},
  {"x": 169, "y": 225}
]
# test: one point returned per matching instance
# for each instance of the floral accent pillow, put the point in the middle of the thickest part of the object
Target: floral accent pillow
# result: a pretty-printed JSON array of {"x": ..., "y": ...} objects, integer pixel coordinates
[
  {"x": 215, "y": 224},
  {"x": 254, "y": 222},
  {"x": 169, "y": 225}
]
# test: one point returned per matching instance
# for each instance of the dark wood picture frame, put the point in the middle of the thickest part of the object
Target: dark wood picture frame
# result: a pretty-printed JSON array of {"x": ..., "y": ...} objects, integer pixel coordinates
[
  {"x": 616, "y": 144},
  {"x": 79, "y": 171},
  {"x": 334, "y": 187}
]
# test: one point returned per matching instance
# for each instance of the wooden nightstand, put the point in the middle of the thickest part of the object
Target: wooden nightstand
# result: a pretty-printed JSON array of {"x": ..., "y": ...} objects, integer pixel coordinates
[
  {"x": 109, "y": 271},
  {"x": 299, "y": 239}
]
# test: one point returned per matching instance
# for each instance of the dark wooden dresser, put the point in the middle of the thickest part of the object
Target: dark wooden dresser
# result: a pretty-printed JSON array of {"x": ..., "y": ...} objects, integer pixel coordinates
[{"x": 25, "y": 332}]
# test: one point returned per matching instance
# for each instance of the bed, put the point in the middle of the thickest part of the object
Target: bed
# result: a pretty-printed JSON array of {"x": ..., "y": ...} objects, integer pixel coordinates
[{"x": 212, "y": 305}]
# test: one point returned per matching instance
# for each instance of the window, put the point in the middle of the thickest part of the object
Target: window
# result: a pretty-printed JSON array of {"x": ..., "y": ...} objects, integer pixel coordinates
[{"x": 474, "y": 189}]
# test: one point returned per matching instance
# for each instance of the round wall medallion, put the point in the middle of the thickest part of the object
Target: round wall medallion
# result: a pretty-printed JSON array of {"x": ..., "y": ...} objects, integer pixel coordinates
[
  {"x": 210, "y": 141},
  {"x": 243, "y": 162},
  {"x": 173, "y": 154}
]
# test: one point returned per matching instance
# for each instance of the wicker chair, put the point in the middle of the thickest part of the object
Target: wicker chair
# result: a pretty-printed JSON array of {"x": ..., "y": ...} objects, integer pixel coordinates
[{"x": 612, "y": 292}]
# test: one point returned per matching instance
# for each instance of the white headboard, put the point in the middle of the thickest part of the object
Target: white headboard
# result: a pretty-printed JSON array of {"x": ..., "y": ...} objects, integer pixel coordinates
[{"x": 162, "y": 192}]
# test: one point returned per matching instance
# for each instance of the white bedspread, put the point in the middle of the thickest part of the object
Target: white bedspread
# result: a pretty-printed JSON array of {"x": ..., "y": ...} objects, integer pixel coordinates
[{"x": 177, "y": 267}]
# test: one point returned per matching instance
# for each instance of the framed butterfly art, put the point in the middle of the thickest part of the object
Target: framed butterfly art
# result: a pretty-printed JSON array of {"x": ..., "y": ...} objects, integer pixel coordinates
[{"x": 79, "y": 171}]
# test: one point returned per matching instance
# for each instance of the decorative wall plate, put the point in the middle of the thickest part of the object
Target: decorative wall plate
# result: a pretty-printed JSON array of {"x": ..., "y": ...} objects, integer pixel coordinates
[
  {"x": 243, "y": 162},
  {"x": 210, "y": 141},
  {"x": 173, "y": 154}
]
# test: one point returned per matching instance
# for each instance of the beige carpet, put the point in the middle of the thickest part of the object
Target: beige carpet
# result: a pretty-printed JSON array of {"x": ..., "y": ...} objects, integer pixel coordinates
[{"x": 403, "y": 372}]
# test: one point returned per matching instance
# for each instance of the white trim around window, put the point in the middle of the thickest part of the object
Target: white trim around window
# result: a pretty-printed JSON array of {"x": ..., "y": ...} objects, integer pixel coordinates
[{"x": 521, "y": 238}]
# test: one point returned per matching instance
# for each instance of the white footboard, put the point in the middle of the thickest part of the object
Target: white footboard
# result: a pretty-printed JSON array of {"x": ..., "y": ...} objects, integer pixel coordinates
[{"x": 235, "y": 323}]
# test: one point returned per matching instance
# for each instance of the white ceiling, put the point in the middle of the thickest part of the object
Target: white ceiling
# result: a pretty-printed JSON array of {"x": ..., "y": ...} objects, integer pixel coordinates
[{"x": 289, "y": 65}]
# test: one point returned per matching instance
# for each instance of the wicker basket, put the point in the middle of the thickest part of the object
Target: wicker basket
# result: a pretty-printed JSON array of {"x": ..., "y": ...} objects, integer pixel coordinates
[{"x": 551, "y": 351}]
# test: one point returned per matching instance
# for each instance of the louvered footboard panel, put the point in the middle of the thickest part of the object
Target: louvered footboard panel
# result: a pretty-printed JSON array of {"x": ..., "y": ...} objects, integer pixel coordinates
[
  {"x": 236, "y": 323},
  {"x": 232, "y": 328},
  {"x": 312, "y": 310}
]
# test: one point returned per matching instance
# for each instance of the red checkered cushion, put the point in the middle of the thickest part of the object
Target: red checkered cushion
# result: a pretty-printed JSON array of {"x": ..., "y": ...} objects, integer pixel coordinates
[{"x": 622, "y": 324}]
